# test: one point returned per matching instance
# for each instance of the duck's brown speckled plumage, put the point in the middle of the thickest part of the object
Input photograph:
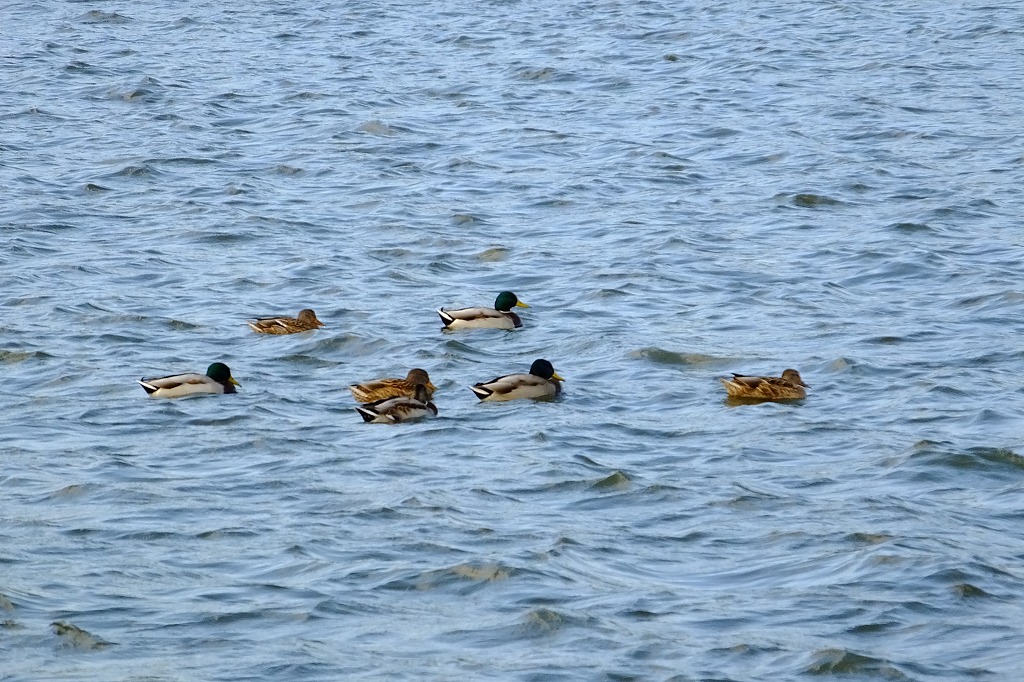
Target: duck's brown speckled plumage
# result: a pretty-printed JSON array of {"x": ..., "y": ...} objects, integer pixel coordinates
[
  {"x": 306, "y": 321},
  {"x": 787, "y": 387},
  {"x": 382, "y": 389}
]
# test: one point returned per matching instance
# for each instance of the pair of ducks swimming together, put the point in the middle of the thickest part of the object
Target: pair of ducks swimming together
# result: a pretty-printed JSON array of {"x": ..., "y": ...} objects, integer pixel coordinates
[
  {"x": 498, "y": 317},
  {"x": 397, "y": 400},
  {"x": 390, "y": 401}
]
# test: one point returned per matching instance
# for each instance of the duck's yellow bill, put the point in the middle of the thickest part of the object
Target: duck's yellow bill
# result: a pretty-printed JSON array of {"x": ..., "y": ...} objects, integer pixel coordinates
[
  {"x": 555, "y": 376},
  {"x": 232, "y": 380},
  {"x": 520, "y": 304}
]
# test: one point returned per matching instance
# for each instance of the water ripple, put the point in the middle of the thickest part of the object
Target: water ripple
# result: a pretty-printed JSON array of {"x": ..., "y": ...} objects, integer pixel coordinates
[{"x": 678, "y": 192}]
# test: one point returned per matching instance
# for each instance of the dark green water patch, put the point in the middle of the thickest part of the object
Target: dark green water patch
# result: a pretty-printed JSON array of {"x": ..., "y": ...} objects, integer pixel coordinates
[
  {"x": 13, "y": 356},
  {"x": 869, "y": 538},
  {"x": 615, "y": 481},
  {"x": 911, "y": 228},
  {"x": 100, "y": 17},
  {"x": 874, "y": 628},
  {"x": 808, "y": 200},
  {"x": 843, "y": 662},
  {"x": 181, "y": 325},
  {"x": 77, "y": 638},
  {"x": 984, "y": 459},
  {"x": 666, "y": 357},
  {"x": 969, "y": 591}
]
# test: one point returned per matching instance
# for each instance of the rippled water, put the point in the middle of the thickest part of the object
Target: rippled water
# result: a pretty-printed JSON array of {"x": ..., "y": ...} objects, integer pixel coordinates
[{"x": 679, "y": 190}]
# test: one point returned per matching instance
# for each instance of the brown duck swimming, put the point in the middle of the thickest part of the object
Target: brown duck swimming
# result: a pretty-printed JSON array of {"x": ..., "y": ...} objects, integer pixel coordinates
[
  {"x": 787, "y": 387},
  {"x": 382, "y": 389},
  {"x": 306, "y": 321}
]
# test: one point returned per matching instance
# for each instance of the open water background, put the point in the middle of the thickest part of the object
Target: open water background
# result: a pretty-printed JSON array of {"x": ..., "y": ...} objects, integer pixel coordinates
[{"x": 680, "y": 190}]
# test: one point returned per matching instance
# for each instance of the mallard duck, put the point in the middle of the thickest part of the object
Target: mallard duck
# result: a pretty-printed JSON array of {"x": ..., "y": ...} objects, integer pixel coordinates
[
  {"x": 217, "y": 379},
  {"x": 541, "y": 382},
  {"x": 400, "y": 409},
  {"x": 382, "y": 389},
  {"x": 498, "y": 317},
  {"x": 306, "y": 321},
  {"x": 787, "y": 387}
]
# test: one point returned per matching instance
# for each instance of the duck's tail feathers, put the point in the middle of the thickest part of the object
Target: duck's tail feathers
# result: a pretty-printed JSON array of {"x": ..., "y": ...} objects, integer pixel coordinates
[
  {"x": 481, "y": 391},
  {"x": 150, "y": 388},
  {"x": 366, "y": 414},
  {"x": 445, "y": 317},
  {"x": 731, "y": 387}
]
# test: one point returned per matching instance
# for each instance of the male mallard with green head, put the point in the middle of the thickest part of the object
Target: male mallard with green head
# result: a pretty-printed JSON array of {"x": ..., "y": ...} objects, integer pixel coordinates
[
  {"x": 217, "y": 379},
  {"x": 541, "y": 382},
  {"x": 498, "y": 317}
]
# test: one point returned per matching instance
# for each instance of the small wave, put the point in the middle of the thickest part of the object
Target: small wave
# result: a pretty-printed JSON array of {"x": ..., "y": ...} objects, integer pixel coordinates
[
  {"x": 226, "y": 533},
  {"x": 539, "y": 74},
  {"x": 980, "y": 459},
  {"x": 77, "y": 638},
  {"x": 543, "y": 622},
  {"x": 911, "y": 228},
  {"x": 843, "y": 662},
  {"x": 614, "y": 481},
  {"x": 376, "y": 128},
  {"x": 134, "y": 171},
  {"x": 99, "y": 17},
  {"x": 181, "y": 325},
  {"x": 464, "y": 578},
  {"x": 69, "y": 491},
  {"x": 810, "y": 200},
  {"x": 13, "y": 356},
  {"x": 666, "y": 357},
  {"x": 869, "y": 538},
  {"x": 969, "y": 591},
  {"x": 79, "y": 67},
  {"x": 493, "y": 254}
]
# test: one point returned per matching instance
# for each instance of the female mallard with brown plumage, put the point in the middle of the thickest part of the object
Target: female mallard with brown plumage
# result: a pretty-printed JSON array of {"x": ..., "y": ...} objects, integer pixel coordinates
[
  {"x": 787, "y": 387},
  {"x": 382, "y": 389},
  {"x": 401, "y": 409},
  {"x": 306, "y": 321},
  {"x": 541, "y": 382},
  {"x": 498, "y": 317}
]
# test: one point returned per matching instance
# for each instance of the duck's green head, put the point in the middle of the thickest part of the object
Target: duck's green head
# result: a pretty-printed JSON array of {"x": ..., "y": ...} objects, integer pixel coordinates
[
  {"x": 507, "y": 301},
  {"x": 220, "y": 373},
  {"x": 543, "y": 369}
]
